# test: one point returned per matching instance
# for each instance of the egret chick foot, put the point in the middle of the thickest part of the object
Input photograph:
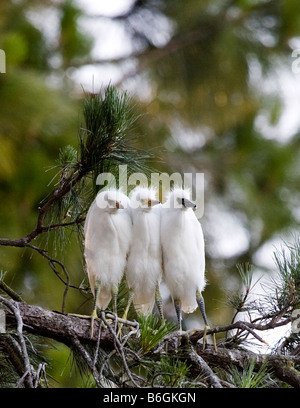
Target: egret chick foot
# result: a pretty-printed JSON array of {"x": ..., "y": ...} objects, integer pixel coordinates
[{"x": 206, "y": 327}]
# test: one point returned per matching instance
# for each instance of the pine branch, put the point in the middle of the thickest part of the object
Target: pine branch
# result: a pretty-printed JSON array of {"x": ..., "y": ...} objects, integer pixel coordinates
[
  {"x": 200, "y": 364},
  {"x": 104, "y": 144},
  {"x": 281, "y": 366},
  {"x": 74, "y": 331}
]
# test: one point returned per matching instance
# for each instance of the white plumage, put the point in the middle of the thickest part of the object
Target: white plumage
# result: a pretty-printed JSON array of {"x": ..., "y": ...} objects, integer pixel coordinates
[
  {"x": 107, "y": 238},
  {"x": 183, "y": 252},
  {"x": 144, "y": 267}
]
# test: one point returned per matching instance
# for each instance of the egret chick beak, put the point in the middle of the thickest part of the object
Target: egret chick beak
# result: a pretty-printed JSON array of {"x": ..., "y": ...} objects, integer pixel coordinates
[
  {"x": 152, "y": 202},
  {"x": 188, "y": 204}
]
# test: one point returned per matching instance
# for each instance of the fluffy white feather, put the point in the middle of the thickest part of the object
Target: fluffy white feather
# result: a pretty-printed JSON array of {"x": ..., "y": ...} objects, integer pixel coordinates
[
  {"x": 183, "y": 249},
  {"x": 144, "y": 268},
  {"x": 107, "y": 238}
]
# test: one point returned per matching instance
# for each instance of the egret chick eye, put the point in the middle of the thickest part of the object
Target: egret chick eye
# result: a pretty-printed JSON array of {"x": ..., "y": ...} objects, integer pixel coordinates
[{"x": 145, "y": 202}]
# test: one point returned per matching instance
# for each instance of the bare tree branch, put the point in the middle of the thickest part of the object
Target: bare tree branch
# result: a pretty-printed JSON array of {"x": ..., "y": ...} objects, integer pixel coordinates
[
  {"x": 75, "y": 333},
  {"x": 27, "y": 376},
  {"x": 200, "y": 363},
  {"x": 281, "y": 366},
  {"x": 56, "y": 325}
]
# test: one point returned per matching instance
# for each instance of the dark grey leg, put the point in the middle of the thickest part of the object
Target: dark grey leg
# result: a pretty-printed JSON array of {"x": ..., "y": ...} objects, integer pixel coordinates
[
  {"x": 201, "y": 304},
  {"x": 177, "y": 305},
  {"x": 94, "y": 312}
]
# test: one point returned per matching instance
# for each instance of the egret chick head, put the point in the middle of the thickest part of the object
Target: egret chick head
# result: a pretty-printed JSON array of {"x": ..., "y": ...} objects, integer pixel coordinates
[
  {"x": 111, "y": 200},
  {"x": 179, "y": 198},
  {"x": 143, "y": 198}
]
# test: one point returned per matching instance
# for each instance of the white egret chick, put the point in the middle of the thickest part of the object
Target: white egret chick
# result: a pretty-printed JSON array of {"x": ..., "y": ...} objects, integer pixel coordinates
[
  {"x": 144, "y": 266},
  {"x": 107, "y": 232},
  {"x": 183, "y": 254}
]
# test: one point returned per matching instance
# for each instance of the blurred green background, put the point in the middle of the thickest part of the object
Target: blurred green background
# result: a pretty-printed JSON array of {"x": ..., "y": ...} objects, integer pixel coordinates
[{"x": 214, "y": 82}]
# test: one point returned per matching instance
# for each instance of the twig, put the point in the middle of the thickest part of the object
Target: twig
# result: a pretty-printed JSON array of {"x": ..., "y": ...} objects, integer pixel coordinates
[
  {"x": 39, "y": 372},
  {"x": 52, "y": 262},
  {"x": 244, "y": 326},
  {"x": 107, "y": 357},
  {"x": 24, "y": 241},
  {"x": 7, "y": 289},
  {"x": 281, "y": 366},
  {"x": 27, "y": 366},
  {"x": 87, "y": 358},
  {"x": 120, "y": 320},
  {"x": 40, "y": 228},
  {"x": 66, "y": 328},
  {"x": 212, "y": 378},
  {"x": 21, "y": 380},
  {"x": 249, "y": 326},
  {"x": 97, "y": 347},
  {"x": 119, "y": 348},
  {"x": 161, "y": 373}
]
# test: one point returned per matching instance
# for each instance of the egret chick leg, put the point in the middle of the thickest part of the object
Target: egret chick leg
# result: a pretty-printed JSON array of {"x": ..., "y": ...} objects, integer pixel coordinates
[
  {"x": 130, "y": 297},
  {"x": 94, "y": 312},
  {"x": 201, "y": 305},
  {"x": 114, "y": 293},
  {"x": 159, "y": 303},
  {"x": 177, "y": 305}
]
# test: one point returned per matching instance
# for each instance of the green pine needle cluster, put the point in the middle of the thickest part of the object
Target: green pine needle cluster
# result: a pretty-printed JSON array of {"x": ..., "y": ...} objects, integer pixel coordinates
[
  {"x": 239, "y": 300},
  {"x": 107, "y": 121},
  {"x": 152, "y": 331},
  {"x": 287, "y": 283},
  {"x": 12, "y": 363},
  {"x": 170, "y": 372},
  {"x": 280, "y": 296},
  {"x": 106, "y": 140},
  {"x": 248, "y": 377}
]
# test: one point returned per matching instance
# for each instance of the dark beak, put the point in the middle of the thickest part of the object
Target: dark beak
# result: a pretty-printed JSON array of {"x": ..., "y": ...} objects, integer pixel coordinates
[{"x": 188, "y": 204}]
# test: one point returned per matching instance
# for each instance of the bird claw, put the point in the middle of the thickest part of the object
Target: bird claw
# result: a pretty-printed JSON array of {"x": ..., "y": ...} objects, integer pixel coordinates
[
  {"x": 93, "y": 317},
  {"x": 205, "y": 338},
  {"x": 205, "y": 342},
  {"x": 119, "y": 333}
]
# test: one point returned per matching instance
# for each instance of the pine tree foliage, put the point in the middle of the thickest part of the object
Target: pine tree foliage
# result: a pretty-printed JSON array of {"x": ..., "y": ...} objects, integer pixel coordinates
[
  {"x": 248, "y": 378},
  {"x": 106, "y": 141},
  {"x": 149, "y": 352},
  {"x": 152, "y": 330},
  {"x": 204, "y": 72},
  {"x": 152, "y": 353}
]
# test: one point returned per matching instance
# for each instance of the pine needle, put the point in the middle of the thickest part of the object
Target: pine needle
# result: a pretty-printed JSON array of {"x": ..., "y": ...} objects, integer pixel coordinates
[
  {"x": 152, "y": 331},
  {"x": 248, "y": 378},
  {"x": 105, "y": 140}
]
